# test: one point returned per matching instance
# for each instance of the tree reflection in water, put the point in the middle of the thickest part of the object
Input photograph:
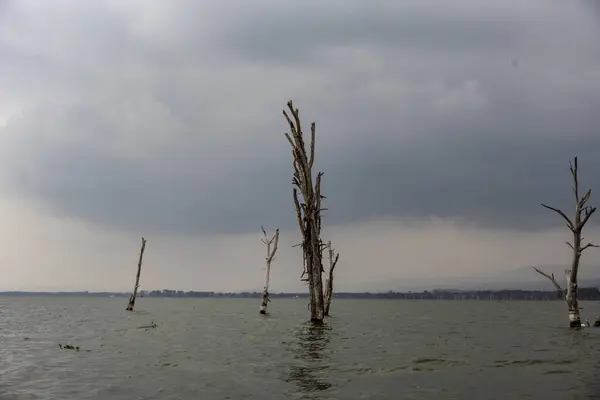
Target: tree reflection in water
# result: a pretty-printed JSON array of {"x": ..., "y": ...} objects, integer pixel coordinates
[{"x": 309, "y": 349}]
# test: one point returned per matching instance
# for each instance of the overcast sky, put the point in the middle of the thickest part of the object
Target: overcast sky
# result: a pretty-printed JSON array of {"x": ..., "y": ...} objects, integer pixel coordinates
[{"x": 441, "y": 127}]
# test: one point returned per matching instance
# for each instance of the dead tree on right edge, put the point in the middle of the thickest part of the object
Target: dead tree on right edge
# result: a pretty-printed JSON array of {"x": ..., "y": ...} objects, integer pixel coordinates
[
  {"x": 333, "y": 259},
  {"x": 309, "y": 211},
  {"x": 583, "y": 212}
]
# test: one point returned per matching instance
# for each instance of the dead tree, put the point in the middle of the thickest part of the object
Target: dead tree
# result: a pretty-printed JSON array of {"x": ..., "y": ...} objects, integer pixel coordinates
[
  {"x": 137, "y": 278},
  {"x": 269, "y": 258},
  {"x": 308, "y": 210},
  {"x": 583, "y": 212},
  {"x": 333, "y": 259}
]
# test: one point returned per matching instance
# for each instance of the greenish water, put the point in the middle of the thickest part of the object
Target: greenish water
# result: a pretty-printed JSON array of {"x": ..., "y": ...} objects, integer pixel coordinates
[{"x": 223, "y": 349}]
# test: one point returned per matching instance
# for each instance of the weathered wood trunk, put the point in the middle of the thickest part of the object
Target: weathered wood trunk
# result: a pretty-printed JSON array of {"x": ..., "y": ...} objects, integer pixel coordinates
[
  {"x": 333, "y": 259},
  {"x": 572, "y": 300},
  {"x": 583, "y": 213},
  {"x": 131, "y": 303},
  {"x": 316, "y": 279},
  {"x": 308, "y": 211},
  {"x": 269, "y": 258}
]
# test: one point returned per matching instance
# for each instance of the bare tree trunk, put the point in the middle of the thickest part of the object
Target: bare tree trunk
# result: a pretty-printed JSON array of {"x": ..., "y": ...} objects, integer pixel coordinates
[
  {"x": 572, "y": 299},
  {"x": 308, "y": 212},
  {"x": 333, "y": 259},
  {"x": 137, "y": 278},
  {"x": 583, "y": 213},
  {"x": 269, "y": 258}
]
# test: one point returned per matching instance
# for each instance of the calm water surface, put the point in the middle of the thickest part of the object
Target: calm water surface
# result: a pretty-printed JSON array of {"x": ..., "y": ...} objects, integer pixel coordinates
[{"x": 222, "y": 349}]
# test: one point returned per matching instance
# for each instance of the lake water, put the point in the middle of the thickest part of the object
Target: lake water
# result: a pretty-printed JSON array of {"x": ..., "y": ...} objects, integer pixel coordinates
[{"x": 223, "y": 349}]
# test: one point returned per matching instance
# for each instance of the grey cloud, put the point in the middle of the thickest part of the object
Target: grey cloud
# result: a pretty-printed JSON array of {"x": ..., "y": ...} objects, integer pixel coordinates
[
  {"x": 152, "y": 137},
  {"x": 297, "y": 35}
]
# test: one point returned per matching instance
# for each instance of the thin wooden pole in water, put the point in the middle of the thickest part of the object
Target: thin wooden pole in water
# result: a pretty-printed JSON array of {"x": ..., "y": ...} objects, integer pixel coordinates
[{"x": 137, "y": 278}]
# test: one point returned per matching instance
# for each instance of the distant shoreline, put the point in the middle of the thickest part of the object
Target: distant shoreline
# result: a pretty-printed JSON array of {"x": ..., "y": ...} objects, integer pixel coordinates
[{"x": 586, "y": 294}]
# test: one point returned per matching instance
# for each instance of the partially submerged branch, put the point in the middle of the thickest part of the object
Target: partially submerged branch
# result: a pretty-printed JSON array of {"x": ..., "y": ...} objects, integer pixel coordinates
[
  {"x": 131, "y": 303},
  {"x": 271, "y": 244}
]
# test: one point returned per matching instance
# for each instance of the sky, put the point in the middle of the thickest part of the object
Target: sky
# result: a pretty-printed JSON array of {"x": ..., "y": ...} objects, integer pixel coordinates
[{"x": 441, "y": 127}]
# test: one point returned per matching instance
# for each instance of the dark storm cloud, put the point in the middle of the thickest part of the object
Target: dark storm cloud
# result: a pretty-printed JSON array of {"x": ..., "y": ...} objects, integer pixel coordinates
[{"x": 469, "y": 113}]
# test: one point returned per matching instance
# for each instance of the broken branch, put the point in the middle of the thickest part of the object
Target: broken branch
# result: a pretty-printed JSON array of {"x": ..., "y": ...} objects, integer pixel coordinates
[{"x": 588, "y": 214}]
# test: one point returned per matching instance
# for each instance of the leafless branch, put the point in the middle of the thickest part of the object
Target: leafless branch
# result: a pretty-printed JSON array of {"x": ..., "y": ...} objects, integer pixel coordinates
[
  {"x": 333, "y": 260},
  {"x": 562, "y": 214},
  {"x": 298, "y": 210},
  {"x": 312, "y": 144},
  {"x": 551, "y": 278},
  {"x": 337, "y": 257},
  {"x": 585, "y": 198},
  {"x": 574, "y": 172},
  {"x": 274, "y": 241},
  {"x": 588, "y": 246}
]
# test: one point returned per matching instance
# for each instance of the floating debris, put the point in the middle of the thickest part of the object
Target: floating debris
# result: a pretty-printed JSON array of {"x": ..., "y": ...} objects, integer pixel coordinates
[
  {"x": 152, "y": 325},
  {"x": 68, "y": 347}
]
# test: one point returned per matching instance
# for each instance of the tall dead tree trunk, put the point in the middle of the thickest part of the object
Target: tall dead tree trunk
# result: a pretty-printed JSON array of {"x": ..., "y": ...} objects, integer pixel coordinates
[
  {"x": 583, "y": 213},
  {"x": 269, "y": 258},
  {"x": 137, "y": 278},
  {"x": 333, "y": 259},
  {"x": 308, "y": 210}
]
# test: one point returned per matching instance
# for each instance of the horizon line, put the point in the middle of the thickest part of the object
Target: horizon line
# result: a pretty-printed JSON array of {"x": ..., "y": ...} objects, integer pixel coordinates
[{"x": 176, "y": 291}]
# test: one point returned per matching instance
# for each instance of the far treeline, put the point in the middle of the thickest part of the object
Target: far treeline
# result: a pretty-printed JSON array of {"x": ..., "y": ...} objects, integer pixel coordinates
[
  {"x": 585, "y": 294},
  {"x": 308, "y": 197}
]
